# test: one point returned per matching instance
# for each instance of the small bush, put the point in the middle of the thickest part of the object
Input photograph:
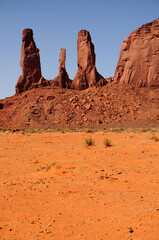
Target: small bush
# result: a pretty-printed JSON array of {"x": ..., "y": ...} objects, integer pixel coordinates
[
  {"x": 88, "y": 130},
  {"x": 89, "y": 141},
  {"x": 107, "y": 142},
  {"x": 47, "y": 167},
  {"x": 155, "y": 138}
]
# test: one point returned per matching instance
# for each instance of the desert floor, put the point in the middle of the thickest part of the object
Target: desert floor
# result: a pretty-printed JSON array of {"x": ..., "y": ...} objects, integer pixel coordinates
[{"x": 54, "y": 187}]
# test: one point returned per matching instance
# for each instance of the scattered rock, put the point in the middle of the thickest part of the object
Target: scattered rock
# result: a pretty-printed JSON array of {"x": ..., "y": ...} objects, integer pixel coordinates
[
  {"x": 130, "y": 230},
  {"x": 82, "y": 222},
  {"x": 1, "y": 105},
  {"x": 88, "y": 106},
  {"x": 50, "y": 97},
  {"x": 76, "y": 108}
]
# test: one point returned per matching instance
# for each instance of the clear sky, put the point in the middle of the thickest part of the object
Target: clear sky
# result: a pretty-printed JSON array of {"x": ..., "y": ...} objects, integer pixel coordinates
[{"x": 56, "y": 24}]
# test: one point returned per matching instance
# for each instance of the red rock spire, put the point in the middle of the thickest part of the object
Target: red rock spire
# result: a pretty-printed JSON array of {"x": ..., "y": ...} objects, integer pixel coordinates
[
  {"x": 87, "y": 75},
  {"x": 30, "y": 63}
]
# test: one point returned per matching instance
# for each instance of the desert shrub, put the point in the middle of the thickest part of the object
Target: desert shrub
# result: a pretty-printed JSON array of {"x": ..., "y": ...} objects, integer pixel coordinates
[
  {"x": 155, "y": 138},
  {"x": 88, "y": 130},
  {"x": 89, "y": 141},
  {"x": 47, "y": 167},
  {"x": 107, "y": 142}
]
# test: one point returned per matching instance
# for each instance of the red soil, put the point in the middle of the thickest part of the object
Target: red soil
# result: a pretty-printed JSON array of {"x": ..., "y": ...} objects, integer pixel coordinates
[{"x": 54, "y": 187}]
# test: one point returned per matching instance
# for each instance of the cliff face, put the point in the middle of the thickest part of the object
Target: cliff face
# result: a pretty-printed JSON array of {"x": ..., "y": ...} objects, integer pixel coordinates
[{"x": 138, "y": 62}]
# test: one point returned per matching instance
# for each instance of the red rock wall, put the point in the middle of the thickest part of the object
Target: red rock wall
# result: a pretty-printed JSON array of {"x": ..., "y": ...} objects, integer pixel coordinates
[{"x": 138, "y": 62}]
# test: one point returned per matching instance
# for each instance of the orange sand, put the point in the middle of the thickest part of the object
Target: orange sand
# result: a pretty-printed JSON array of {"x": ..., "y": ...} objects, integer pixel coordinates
[{"x": 54, "y": 187}]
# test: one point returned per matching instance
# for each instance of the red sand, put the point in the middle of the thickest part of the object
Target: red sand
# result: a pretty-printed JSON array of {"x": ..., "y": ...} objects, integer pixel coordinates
[{"x": 54, "y": 187}]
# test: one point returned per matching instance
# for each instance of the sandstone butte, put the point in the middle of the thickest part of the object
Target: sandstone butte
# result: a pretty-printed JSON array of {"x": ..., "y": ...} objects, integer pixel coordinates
[
  {"x": 58, "y": 102},
  {"x": 138, "y": 62}
]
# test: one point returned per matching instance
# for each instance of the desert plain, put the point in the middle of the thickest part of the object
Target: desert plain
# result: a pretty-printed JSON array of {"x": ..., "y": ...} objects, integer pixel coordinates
[{"x": 55, "y": 187}]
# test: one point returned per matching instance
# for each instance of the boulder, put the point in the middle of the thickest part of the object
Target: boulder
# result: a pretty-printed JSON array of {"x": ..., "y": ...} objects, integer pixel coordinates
[
  {"x": 87, "y": 75},
  {"x": 30, "y": 63},
  {"x": 138, "y": 62}
]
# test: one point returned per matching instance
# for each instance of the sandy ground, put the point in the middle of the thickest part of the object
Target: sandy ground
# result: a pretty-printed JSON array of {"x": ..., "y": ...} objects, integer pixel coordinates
[{"x": 54, "y": 187}]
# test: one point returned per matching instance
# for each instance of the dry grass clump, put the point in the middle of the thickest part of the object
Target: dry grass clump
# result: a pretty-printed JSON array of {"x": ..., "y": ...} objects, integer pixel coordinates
[
  {"x": 155, "y": 138},
  {"x": 89, "y": 142},
  {"x": 107, "y": 142},
  {"x": 47, "y": 167}
]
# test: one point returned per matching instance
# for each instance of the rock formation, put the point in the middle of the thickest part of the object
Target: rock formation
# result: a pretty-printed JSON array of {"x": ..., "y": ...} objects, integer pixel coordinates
[
  {"x": 62, "y": 80},
  {"x": 30, "y": 63},
  {"x": 87, "y": 75},
  {"x": 138, "y": 63}
]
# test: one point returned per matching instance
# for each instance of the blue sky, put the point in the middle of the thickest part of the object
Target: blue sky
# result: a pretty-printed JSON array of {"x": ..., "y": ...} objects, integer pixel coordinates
[{"x": 56, "y": 24}]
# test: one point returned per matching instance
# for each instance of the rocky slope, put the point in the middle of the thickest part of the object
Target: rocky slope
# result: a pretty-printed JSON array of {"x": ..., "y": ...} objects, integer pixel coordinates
[{"x": 52, "y": 106}]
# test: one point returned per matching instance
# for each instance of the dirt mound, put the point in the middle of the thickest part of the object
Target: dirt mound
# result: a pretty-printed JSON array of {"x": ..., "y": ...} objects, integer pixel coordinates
[{"x": 52, "y": 107}]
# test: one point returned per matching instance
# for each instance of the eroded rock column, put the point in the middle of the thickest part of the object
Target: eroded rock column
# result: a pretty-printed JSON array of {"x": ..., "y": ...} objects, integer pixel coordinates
[
  {"x": 87, "y": 75},
  {"x": 30, "y": 63},
  {"x": 63, "y": 77},
  {"x": 62, "y": 80}
]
